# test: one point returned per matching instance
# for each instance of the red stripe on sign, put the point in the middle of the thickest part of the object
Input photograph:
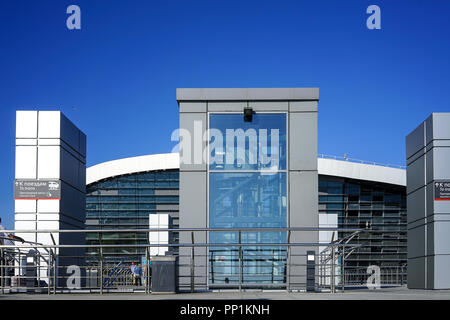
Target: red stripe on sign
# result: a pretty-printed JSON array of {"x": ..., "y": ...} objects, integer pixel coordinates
[
  {"x": 37, "y": 198},
  {"x": 441, "y": 199}
]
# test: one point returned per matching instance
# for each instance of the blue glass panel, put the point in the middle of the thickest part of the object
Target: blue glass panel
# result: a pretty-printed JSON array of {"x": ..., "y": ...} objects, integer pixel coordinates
[
  {"x": 247, "y": 200},
  {"x": 244, "y": 151},
  {"x": 126, "y": 202}
]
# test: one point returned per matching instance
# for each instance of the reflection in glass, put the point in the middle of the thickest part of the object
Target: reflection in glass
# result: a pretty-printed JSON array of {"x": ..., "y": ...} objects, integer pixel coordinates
[
  {"x": 247, "y": 200},
  {"x": 263, "y": 142}
]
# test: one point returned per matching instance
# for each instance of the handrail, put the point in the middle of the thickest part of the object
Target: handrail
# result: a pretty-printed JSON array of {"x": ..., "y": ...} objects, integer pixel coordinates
[
  {"x": 107, "y": 281},
  {"x": 187, "y": 229}
]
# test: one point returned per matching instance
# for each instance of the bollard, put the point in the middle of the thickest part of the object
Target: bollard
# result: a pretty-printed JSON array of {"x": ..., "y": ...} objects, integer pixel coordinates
[{"x": 310, "y": 271}]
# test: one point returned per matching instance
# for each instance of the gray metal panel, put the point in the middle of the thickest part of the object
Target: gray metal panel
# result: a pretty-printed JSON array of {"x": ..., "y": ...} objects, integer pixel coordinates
[
  {"x": 260, "y": 106},
  {"x": 188, "y": 122},
  {"x": 72, "y": 203},
  {"x": 303, "y": 203},
  {"x": 241, "y": 94},
  {"x": 416, "y": 205},
  {"x": 416, "y": 156},
  {"x": 303, "y": 141},
  {"x": 429, "y": 200},
  {"x": 428, "y": 129},
  {"x": 441, "y": 234},
  {"x": 303, "y": 212},
  {"x": 416, "y": 273},
  {"x": 227, "y": 106},
  {"x": 192, "y": 215},
  {"x": 438, "y": 143},
  {"x": 417, "y": 223},
  {"x": 192, "y": 106},
  {"x": 430, "y": 238},
  {"x": 441, "y": 207},
  {"x": 441, "y": 128},
  {"x": 416, "y": 242},
  {"x": 415, "y": 175},
  {"x": 82, "y": 138},
  {"x": 429, "y": 281},
  {"x": 302, "y": 106},
  {"x": 69, "y": 170},
  {"x": 439, "y": 217},
  {"x": 441, "y": 274},
  {"x": 429, "y": 166},
  {"x": 70, "y": 133},
  {"x": 415, "y": 140},
  {"x": 441, "y": 163},
  {"x": 164, "y": 275},
  {"x": 192, "y": 199}
]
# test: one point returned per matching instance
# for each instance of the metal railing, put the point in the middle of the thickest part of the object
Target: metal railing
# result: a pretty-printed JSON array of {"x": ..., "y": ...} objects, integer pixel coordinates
[{"x": 52, "y": 268}]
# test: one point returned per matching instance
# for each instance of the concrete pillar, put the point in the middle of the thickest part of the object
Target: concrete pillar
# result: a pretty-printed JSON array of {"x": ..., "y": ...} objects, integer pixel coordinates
[
  {"x": 428, "y": 203},
  {"x": 51, "y": 159}
]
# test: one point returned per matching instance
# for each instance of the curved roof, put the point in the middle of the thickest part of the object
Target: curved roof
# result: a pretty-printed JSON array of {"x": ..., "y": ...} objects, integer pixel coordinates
[
  {"x": 361, "y": 171},
  {"x": 167, "y": 161}
]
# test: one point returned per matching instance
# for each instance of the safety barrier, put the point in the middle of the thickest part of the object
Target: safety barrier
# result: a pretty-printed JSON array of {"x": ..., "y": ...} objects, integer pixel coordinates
[{"x": 239, "y": 264}]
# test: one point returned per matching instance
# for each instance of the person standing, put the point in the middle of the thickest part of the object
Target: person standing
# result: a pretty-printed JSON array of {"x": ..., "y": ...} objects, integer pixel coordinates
[
  {"x": 133, "y": 273},
  {"x": 138, "y": 273}
]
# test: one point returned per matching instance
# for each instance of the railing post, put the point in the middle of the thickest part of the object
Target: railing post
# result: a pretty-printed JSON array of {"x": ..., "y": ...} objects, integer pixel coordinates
[
  {"x": 101, "y": 262},
  {"x": 147, "y": 271},
  {"x": 53, "y": 253},
  {"x": 343, "y": 268},
  {"x": 49, "y": 268},
  {"x": 288, "y": 262},
  {"x": 332, "y": 269},
  {"x": 192, "y": 266},
  {"x": 54, "y": 274},
  {"x": 273, "y": 264},
  {"x": 2, "y": 272},
  {"x": 240, "y": 262}
]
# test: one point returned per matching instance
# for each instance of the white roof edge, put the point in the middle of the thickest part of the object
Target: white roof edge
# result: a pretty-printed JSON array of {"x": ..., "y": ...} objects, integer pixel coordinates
[
  {"x": 361, "y": 171},
  {"x": 167, "y": 161},
  {"x": 164, "y": 161}
]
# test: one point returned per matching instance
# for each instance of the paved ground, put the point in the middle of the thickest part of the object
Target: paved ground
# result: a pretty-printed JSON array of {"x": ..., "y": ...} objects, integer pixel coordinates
[{"x": 395, "y": 293}]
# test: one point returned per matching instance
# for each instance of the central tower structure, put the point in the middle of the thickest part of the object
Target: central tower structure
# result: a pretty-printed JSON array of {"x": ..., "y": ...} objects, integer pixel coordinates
[{"x": 248, "y": 159}]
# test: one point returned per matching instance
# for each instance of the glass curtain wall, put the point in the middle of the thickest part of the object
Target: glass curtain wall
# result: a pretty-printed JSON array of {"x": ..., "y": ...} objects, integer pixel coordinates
[
  {"x": 125, "y": 202},
  {"x": 378, "y": 207},
  {"x": 244, "y": 194}
]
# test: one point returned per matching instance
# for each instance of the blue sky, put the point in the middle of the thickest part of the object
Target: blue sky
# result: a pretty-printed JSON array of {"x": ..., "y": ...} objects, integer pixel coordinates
[{"x": 116, "y": 77}]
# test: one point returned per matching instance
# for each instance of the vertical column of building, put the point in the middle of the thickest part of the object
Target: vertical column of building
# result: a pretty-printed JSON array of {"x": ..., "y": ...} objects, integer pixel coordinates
[
  {"x": 303, "y": 181},
  {"x": 300, "y": 107},
  {"x": 428, "y": 203},
  {"x": 50, "y": 149},
  {"x": 26, "y": 169},
  {"x": 193, "y": 193},
  {"x": 416, "y": 204}
]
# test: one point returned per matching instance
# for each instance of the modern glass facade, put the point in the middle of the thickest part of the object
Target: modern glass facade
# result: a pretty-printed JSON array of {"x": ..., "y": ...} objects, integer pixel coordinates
[
  {"x": 380, "y": 207},
  {"x": 246, "y": 198},
  {"x": 125, "y": 202},
  {"x": 243, "y": 194}
]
